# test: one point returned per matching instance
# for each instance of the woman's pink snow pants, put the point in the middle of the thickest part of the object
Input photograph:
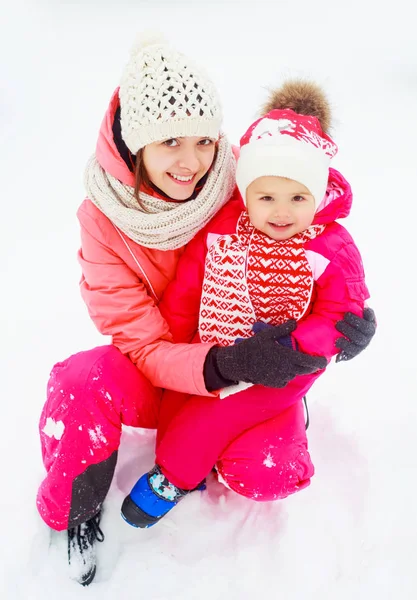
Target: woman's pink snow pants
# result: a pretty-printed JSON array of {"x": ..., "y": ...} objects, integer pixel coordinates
[{"x": 91, "y": 394}]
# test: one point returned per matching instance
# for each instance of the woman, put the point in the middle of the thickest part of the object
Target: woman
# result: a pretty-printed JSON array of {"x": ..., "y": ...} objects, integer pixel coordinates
[{"x": 161, "y": 173}]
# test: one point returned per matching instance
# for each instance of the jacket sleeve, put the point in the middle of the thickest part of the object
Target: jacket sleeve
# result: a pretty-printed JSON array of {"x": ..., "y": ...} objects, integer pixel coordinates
[
  {"x": 120, "y": 305},
  {"x": 341, "y": 288},
  {"x": 180, "y": 304}
]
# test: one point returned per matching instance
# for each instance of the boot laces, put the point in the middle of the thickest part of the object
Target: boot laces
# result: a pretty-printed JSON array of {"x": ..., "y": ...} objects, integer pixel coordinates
[{"x": 86, "y": 533}]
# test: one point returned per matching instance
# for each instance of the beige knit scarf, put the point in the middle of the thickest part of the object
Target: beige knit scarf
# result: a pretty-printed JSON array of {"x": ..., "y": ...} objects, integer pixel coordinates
[{"x": 163, "y": 225}]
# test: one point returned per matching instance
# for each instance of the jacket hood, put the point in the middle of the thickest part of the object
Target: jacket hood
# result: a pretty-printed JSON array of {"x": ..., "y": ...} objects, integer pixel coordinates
[
  {"x": 337, "y": 201},
  {"x": 107, "y": 153}
]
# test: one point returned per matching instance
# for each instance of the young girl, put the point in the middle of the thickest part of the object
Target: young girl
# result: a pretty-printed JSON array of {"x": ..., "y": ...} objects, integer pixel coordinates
[
  {"x": 160, "y": 174},
  {"x": 286, "y": 260}
]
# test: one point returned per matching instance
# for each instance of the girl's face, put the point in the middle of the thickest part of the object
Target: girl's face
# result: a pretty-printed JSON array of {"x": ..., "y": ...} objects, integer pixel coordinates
[
  {"x": 175, "y": 166},
  {"x": 279, "y": 207}
]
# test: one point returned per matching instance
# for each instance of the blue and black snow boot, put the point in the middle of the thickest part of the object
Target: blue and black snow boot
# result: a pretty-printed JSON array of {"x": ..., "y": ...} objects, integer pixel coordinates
[{"x": 152, "y": 497}]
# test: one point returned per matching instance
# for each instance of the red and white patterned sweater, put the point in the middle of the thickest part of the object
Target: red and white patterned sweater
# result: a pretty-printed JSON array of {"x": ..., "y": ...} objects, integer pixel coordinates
[{"x": 232, "y": 275}]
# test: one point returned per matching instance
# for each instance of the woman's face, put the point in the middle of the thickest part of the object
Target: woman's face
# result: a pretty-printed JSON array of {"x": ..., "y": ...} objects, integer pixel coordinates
[{"x": 175, "y": 166}]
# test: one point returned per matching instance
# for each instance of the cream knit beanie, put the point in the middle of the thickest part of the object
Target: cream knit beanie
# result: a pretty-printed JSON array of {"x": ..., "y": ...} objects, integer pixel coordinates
[{"x": 164, "y": 95}]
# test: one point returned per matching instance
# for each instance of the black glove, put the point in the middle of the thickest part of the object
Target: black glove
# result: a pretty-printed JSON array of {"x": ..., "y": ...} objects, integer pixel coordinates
[
  {"x": 358, "y": 331},
  {"x": 259, "y": 360}
]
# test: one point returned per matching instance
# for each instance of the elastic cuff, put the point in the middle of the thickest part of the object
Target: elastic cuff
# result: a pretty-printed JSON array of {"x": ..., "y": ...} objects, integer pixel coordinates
[{"x": 289, "y": 342}]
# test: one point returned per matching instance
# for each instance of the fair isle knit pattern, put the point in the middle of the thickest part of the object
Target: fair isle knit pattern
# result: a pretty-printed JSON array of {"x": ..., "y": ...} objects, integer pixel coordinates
[
  {"x": 163, "y": 95},
  {"x": 165, "y": 225},
  {"x": 250, "y": 277},
  {"x": 286, "y": 144}
]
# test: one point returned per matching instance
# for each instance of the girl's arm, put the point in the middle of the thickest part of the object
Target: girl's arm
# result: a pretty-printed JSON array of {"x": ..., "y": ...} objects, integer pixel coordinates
[{"x": 340, "y": 289}]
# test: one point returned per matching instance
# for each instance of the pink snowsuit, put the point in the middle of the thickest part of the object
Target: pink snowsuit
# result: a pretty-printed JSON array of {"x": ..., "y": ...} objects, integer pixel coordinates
[
  {"x": 91, "y": 394},
  {"x": 226, "y": 283}
]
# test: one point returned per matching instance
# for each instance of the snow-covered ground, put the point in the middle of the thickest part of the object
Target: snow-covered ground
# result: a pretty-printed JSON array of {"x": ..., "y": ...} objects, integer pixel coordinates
[{"x": 352, "y": 534}]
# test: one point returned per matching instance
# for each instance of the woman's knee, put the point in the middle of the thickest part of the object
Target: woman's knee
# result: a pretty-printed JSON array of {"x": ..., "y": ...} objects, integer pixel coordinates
[
  {"x": 270, "y": 476},
  {"x": 77, "y": 368},
  {"x": 102, "y": 381},
  {"x": 70, "y": 378}
]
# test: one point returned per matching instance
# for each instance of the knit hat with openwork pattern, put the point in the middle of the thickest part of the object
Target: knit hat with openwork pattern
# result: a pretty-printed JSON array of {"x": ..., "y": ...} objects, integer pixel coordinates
[{"x": 164, "y": 95}]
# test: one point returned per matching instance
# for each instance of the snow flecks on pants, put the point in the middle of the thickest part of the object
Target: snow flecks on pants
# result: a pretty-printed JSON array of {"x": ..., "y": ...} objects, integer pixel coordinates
[
  {"x": 97, "y": 377},
  {"x": 269, "y": 456},
  {"x": 54, "y": 429},
  {"x": 97, "y": 437},
  {"x": 106, "y": 395},
  {"x": 269, "y": 461}
]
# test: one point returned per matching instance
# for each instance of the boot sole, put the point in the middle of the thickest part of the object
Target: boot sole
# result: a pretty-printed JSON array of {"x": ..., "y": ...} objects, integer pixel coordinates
[{"x": 135, "y": 516}]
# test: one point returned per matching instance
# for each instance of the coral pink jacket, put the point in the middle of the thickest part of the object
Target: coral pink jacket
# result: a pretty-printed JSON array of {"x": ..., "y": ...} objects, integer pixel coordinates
[{"x": 123, "y": 282}]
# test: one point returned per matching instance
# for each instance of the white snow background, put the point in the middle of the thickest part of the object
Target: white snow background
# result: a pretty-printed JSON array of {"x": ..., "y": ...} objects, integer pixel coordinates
[{"x": 353, "y": 532}]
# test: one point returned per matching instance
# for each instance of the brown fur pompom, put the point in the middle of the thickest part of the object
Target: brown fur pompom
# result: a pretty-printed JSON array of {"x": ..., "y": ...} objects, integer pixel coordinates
[{"x": 304, "y": 98}]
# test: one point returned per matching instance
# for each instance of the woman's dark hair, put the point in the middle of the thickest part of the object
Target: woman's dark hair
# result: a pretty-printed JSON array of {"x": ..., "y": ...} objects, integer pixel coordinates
[{"x": 141, "y": 176}]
